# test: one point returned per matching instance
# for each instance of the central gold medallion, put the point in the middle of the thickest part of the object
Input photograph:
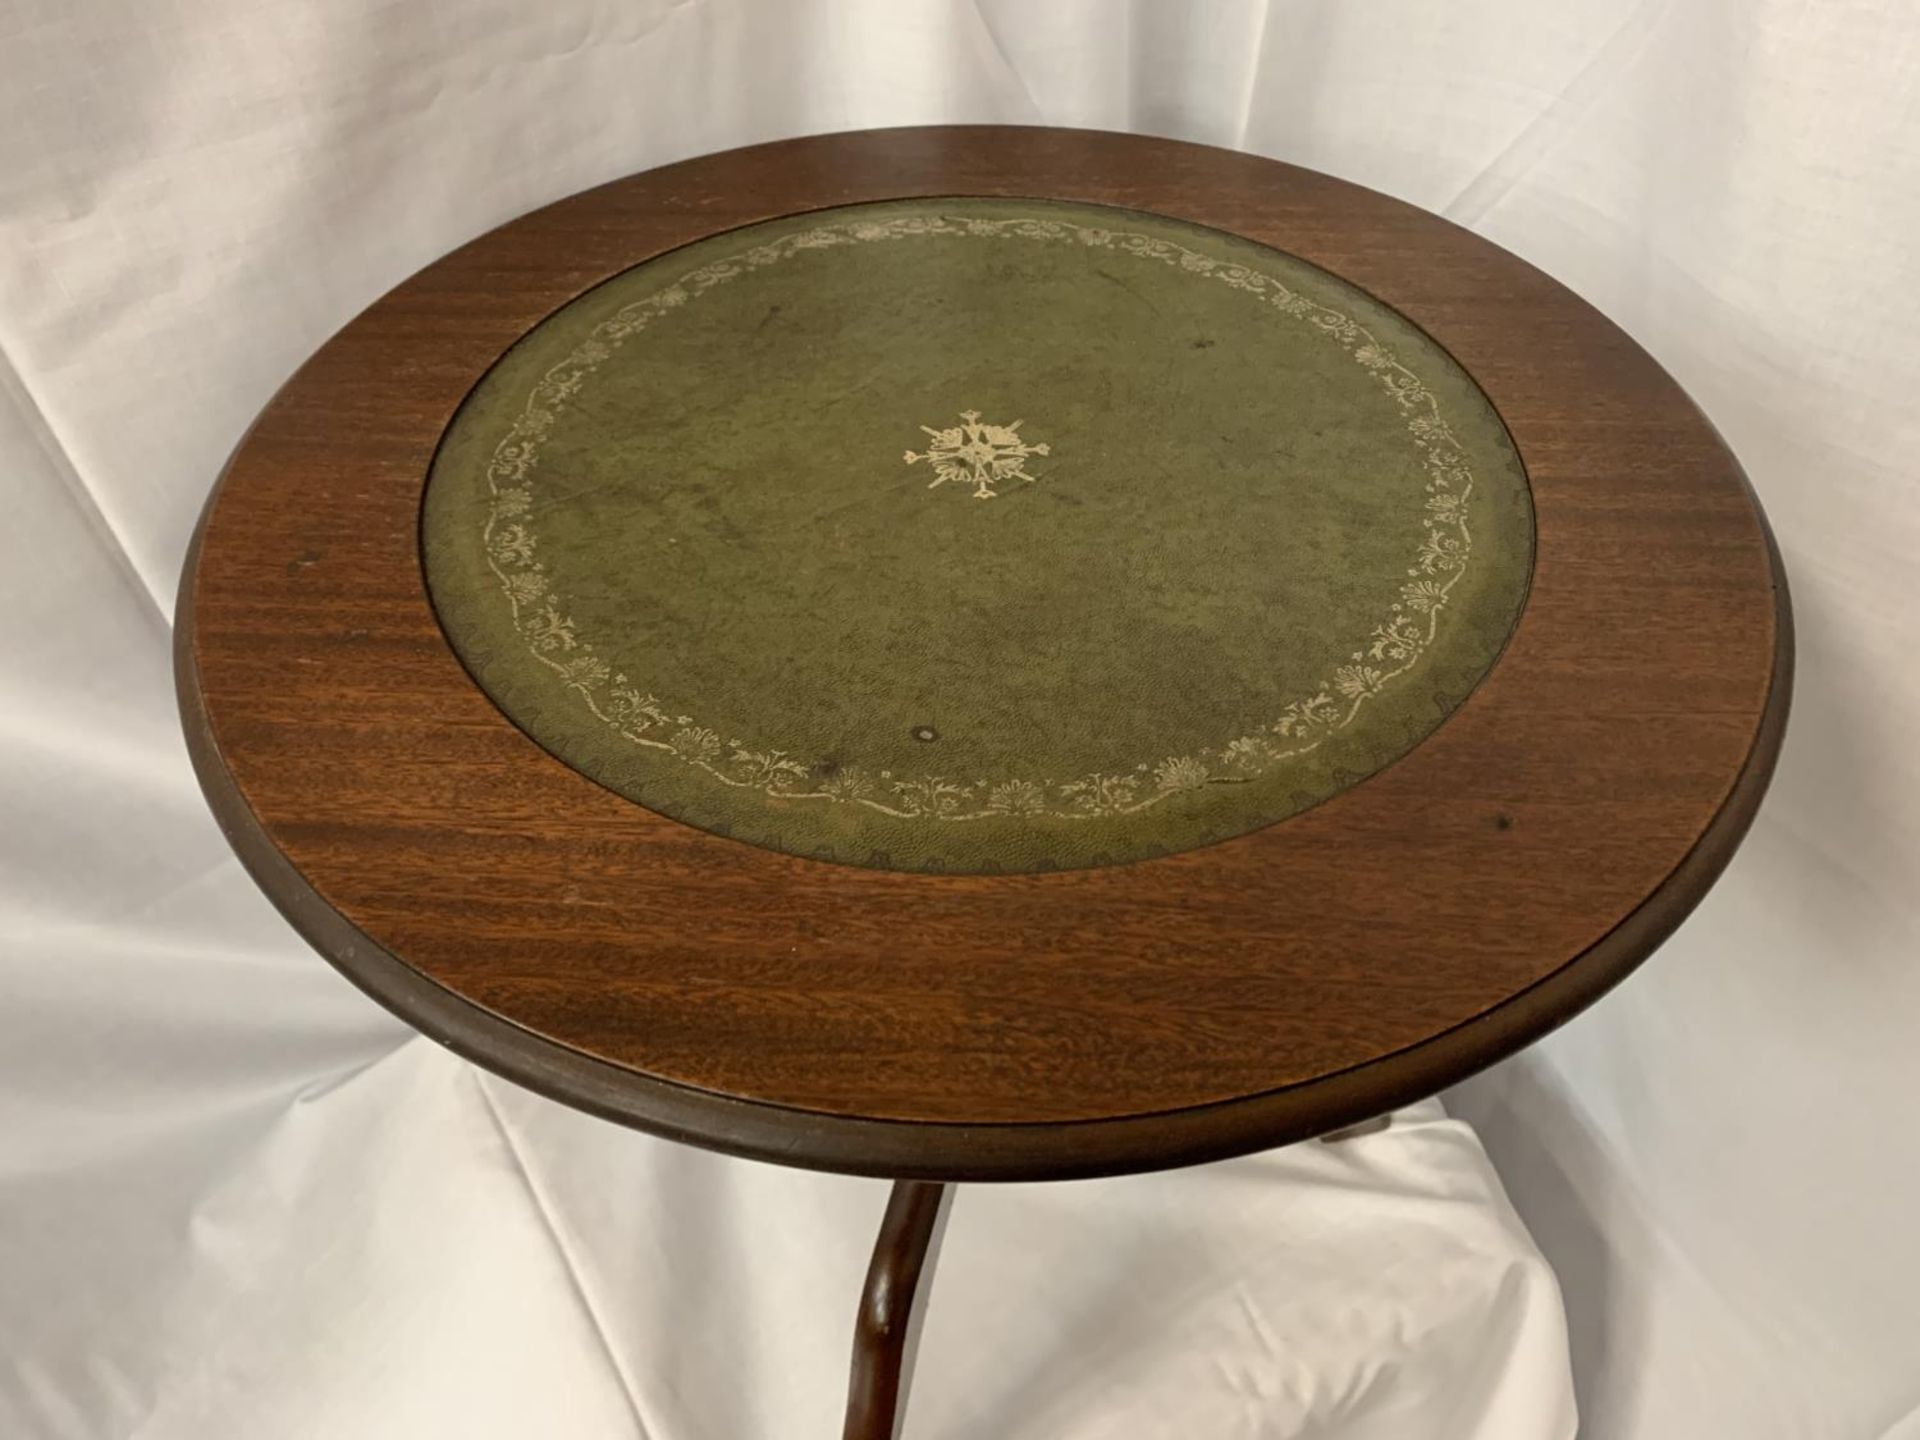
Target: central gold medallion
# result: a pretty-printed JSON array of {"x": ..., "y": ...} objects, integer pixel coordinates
[{"x": 977, "y": 454}]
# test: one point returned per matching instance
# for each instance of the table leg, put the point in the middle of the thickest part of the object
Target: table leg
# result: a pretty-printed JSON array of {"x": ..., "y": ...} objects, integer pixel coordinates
[{"x": 888, "y": 1327}]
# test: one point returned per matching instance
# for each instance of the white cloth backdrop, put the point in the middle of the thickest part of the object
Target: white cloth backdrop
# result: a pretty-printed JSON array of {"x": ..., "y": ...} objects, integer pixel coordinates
[{"x": 236, "y": 1201}]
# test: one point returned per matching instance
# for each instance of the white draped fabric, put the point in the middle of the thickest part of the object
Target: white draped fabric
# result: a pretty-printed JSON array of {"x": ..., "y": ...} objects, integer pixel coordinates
[{"x": 237, "y": 1200}]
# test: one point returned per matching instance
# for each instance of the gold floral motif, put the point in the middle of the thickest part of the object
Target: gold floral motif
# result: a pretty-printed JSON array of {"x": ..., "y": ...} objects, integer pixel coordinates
[
  {"x": 1180, "y": 772},
  {"x": 1017, "y": 797},
  {"x": 983, "y": 456}
]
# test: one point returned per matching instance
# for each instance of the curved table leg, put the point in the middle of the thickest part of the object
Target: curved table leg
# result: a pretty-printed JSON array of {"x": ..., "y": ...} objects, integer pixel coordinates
[{"x": 888, "y": 1326}]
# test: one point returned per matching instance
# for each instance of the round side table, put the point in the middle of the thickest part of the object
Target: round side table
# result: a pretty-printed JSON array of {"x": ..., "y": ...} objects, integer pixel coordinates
[{"x": 982, "y": 654}]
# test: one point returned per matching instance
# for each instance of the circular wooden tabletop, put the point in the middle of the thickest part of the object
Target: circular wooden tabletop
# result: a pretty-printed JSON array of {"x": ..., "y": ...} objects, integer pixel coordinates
[{"x": 1212, "y": 876}]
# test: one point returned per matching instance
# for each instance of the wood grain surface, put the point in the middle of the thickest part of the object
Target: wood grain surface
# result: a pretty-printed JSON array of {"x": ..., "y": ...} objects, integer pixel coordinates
[{"x": 1298, "y": 978}]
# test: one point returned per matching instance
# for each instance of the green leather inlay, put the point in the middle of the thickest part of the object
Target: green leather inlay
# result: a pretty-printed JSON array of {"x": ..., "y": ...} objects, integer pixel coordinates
[{"x": 749, "y": 535}]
